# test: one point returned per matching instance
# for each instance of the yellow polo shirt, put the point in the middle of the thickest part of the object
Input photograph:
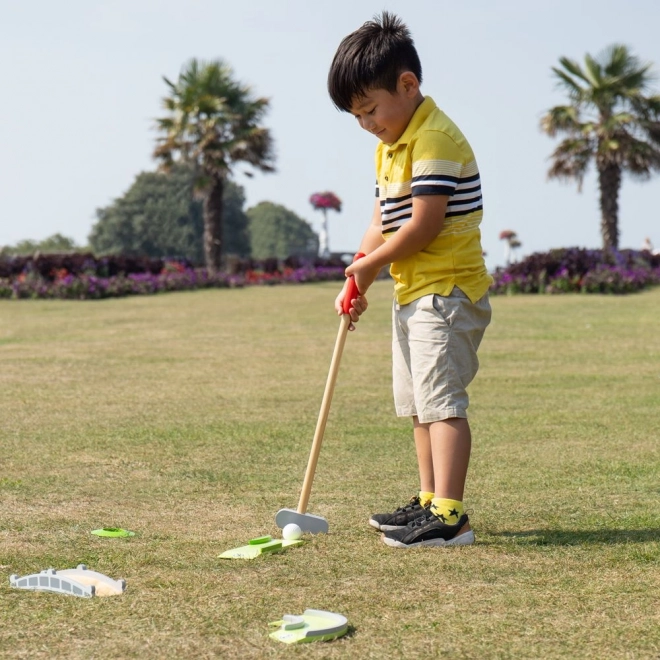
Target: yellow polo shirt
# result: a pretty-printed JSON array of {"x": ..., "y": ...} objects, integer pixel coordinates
[{"x": 432, "y": 157}]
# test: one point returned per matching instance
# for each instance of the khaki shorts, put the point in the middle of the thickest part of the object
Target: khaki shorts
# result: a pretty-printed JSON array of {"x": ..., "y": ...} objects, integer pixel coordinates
[{"x": 434, "y": 354}]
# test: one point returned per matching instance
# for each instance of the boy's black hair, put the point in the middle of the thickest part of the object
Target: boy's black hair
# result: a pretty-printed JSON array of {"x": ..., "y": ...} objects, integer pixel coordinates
[{"x": 372, "y": 57}]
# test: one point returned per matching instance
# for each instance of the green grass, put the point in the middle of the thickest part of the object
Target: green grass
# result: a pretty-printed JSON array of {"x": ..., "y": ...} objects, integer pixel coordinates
[{"x": 189, "y": 418}]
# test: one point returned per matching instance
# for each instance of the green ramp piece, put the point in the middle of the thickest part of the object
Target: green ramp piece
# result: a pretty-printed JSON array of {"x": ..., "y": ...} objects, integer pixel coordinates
[
  {"x": 257, "y": 547},
  {"x": 312, "y": 626},
  {"x": 261, "y": 539}
]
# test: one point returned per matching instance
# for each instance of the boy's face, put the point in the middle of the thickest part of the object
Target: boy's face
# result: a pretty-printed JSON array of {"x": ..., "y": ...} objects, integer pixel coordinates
[{"x": 387, "y": 115}]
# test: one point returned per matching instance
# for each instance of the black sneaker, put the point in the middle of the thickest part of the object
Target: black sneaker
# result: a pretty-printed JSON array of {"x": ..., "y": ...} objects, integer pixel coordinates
[
  {"x": 388, "y": 522},
  {"x": 429, "y": 530}
]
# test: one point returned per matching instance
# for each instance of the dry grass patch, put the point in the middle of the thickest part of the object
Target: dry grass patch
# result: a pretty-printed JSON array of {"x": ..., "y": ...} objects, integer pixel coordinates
[{"x": 188, "y": 418}]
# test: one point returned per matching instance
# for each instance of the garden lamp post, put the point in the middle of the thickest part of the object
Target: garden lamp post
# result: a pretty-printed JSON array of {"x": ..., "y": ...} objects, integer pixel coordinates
[
  {"x": 325, "y": 201},
  {"x": 512, "y": 243}
]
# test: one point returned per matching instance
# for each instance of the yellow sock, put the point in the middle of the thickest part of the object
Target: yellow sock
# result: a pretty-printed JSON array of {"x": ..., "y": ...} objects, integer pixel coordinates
[
  {"x": 425, "y": 498},
  {"x": 449, "y": 511}
]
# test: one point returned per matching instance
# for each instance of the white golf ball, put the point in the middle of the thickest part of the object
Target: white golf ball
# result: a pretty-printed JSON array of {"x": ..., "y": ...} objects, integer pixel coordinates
[{"x": 291, "y": 532}]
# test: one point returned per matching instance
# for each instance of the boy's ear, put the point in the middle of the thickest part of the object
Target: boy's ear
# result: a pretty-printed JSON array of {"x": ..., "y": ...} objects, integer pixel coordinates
[{"x": 409, "y": 84}]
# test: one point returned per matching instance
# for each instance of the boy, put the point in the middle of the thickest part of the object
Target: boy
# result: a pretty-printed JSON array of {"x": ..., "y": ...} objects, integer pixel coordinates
[{"x": 425, "y": 224}]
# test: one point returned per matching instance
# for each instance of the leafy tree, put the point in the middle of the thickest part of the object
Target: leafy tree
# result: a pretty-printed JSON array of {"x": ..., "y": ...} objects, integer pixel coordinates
[
  {"x": 275, "y": 231},
  {"x": 213, "y": 122},
  {"x": 55, "y": 244},
  {"x": 612, "y": 120},
  {"x": 235, "y": 221},
  {"x": 159, "y": 217}
]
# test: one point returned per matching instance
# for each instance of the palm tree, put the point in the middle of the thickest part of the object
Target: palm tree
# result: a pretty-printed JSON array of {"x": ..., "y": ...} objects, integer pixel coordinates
[
  {"x": 213, "y": 122},
  {"x": 610, "y": 119}
]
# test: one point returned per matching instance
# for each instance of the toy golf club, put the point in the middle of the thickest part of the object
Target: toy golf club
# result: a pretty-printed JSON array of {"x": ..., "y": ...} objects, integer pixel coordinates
[{"x": 307, "y": 521}]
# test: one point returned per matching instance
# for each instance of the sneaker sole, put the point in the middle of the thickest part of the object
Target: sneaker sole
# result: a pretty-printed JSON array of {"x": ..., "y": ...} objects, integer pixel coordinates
[
  {"x": 464, "y": 539},
  {"x": 385, "y": 528}
]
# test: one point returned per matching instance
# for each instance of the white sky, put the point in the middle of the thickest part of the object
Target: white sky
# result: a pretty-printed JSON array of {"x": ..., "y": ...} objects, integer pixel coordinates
[{"x": 82, "y": 84}]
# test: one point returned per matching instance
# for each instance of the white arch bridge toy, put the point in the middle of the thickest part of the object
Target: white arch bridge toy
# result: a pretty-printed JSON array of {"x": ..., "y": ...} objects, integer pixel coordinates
[{"x": 79, "y": 581}]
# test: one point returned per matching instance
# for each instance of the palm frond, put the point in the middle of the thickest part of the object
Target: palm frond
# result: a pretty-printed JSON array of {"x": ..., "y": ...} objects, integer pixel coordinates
[
  {"x": 645, "y": 108},
  {"x": 593, "y": 72},
  {"x": 570, "y": 160},
  {"x": 619, "y": 121},
  {"x": 574, "y": 90},
  {"x": 640, "y": 158},
  {"x": 617, "y": 60},
  {"x": 573, "y": 68},
  {"x": 632, "y": 81},
  {"x": 652, "y": 105},
  {"x": 652, "y": 130},
  {"x": 561, "y": 118}
]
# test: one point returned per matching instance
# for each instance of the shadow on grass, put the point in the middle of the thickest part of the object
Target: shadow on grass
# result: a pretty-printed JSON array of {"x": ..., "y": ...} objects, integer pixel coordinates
[{"x": 583, "y": 537}]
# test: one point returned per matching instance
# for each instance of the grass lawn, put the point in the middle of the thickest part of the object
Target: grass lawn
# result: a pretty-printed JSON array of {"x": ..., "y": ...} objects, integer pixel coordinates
[{"x": 188, "y": 418}]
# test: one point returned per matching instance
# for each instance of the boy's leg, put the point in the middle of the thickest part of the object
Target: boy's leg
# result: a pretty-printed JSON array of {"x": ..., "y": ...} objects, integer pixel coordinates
[
  {"x": 451, "y": 443},
  {"x": 423, "y": 447},
  {"x": 443, "y": 455}
]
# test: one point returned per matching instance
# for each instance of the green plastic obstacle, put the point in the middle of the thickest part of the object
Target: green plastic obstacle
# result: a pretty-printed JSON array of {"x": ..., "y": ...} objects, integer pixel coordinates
[
  {"x": 256, "y": 547},
  {"x": 112, "y": 532},
  {"x": 311, "y": 626}
]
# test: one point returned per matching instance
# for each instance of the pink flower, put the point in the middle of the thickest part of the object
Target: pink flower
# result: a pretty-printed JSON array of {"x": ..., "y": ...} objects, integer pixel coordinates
[{"x": 325, "y": 200}]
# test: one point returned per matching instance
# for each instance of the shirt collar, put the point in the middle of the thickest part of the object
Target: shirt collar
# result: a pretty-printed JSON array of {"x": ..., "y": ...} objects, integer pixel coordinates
[{"x": 425, "y": 108}]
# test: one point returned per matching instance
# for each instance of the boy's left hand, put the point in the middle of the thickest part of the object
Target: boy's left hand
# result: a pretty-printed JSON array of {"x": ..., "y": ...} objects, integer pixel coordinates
[{"x": 364, "y": 274}]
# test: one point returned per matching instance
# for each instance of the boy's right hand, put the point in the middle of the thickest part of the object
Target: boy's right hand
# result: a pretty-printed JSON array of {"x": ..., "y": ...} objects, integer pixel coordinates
[{"x": 358, "y": 307}]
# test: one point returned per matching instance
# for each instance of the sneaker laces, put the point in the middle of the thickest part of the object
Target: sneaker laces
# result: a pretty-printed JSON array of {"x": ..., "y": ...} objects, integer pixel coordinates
[
  {"x": 418, "y": 522},
  {"x": 414, "y": 501}
]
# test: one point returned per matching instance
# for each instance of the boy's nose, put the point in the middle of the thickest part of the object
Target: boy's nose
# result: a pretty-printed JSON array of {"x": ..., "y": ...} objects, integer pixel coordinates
[{"x": 368, "y": 124}]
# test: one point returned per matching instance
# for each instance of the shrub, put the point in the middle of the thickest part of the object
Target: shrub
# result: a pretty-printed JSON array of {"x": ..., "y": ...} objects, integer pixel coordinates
[
  {"x": 81, "y": 277},
  {"x": 571, "y": 270}
]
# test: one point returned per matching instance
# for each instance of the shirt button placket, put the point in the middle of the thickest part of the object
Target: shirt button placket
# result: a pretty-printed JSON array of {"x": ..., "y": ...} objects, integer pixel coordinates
[{"x": 390, "y": 155}]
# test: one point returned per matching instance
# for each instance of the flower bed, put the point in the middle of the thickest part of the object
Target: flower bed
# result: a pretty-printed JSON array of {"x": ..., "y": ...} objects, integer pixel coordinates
[
  {"x": 82, "y": 277},
  {"x": 578, "y": 270},
  {"x": 75, "y": 278}
]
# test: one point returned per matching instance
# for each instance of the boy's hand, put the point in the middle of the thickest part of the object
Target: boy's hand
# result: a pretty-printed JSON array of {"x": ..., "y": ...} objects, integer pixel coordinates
[
  {"x": 364, "y": 274},
  {"x": 358, "y": 307}
]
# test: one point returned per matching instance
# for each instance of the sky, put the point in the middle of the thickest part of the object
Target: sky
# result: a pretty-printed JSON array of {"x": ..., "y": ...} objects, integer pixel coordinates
[{"x": 83, "y": 83}]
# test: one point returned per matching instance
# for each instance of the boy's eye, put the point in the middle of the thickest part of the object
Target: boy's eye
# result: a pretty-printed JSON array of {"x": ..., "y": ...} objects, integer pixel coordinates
[{"x": 371, "y": 112}]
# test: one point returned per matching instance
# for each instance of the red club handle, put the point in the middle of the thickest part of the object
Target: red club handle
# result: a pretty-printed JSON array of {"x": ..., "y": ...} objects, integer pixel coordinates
[{"x": 352, "y": 290}]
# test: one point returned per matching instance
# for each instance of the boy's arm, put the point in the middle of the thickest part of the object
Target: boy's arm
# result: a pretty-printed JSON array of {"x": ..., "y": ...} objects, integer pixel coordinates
[{"x": 428, "y": 216}]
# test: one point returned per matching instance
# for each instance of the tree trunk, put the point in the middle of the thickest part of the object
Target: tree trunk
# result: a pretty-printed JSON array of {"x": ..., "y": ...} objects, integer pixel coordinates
[
  {"x": 212, "y": 210},
  {"x": 609, "y": 181}
]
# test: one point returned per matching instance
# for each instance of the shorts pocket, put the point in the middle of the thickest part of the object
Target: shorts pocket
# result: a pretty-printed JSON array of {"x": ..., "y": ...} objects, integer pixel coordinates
[{"x": 443, "y": 308}]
